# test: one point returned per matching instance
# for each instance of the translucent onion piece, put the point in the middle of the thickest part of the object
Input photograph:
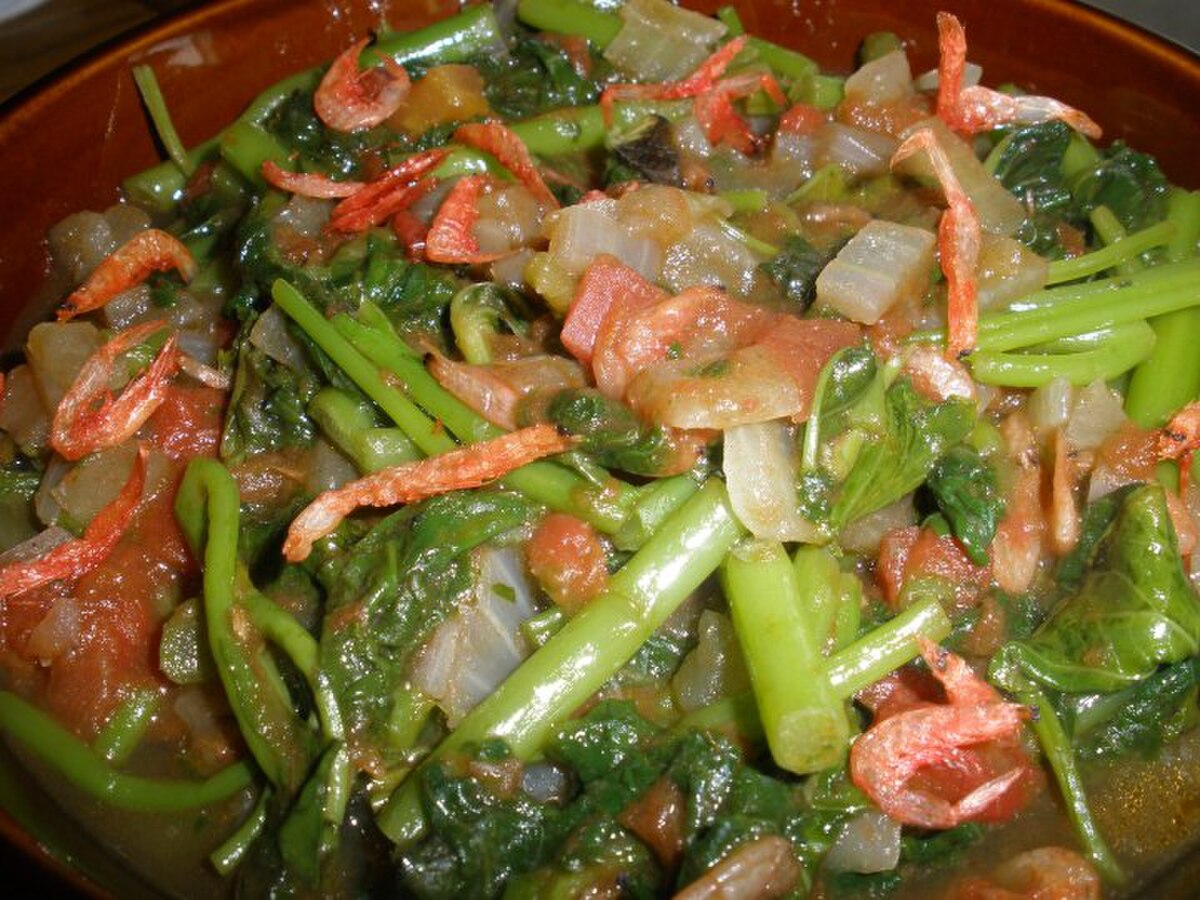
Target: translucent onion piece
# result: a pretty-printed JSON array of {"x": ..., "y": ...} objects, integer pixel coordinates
[
  {"x": 714, "y": 668},
  {"x": 660, "y": 41},
  {"x": 270, "y": 335},
  {"x": 509, "y": 218},
  {"x": 1096, "y": 413},
  {"x": 745, "y": 387},
  {"x": 580, "y": 233},
  {"x": 22, "y": 413},
  {"x": 869, "y": 842},
  {"x": 887, "y": 79},
  {"x": 1007, "y": 270},
  {"x": 56, "y": 352},
  {"x": 708, "y": 256},
  {"x": 864, "y": 535},
  {"x": 328, "y": 468},
  {"x": 856, "y": 150},
  {"x": 1050, "y": 405},
  {"x": 998, "y": 210},
  {"x": 307, "y": 216},
  {"x": 882, "y": 265},
  {"x": 58, "y": 631},
  {"x": 928, "y": 81},
  {"x": 38, "y": 545},
  {"x": 760, "y": 470},
  {"x": 479, "y": 645}
]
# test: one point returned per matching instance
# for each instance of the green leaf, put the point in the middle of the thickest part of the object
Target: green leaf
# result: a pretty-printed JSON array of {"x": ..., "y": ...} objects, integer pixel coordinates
[
  {"x": 887, "y": 468},
  {"x": 1134, "y": 610},
  {"x": 966, "y": 491}
]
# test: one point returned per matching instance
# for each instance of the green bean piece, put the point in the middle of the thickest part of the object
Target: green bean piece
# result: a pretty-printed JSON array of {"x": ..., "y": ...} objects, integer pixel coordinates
[
  {"x": 128, "y": 725},
  {"x": 472, "y": 33},
  {"x": 1120, "y": 250},
  {"x": 1170, "y": 377},
  {"x": 246, "y": 146},
  {"x": 207, "y": 507},
  {"x": 421, "y": 430},
  {"x": 571, "y": 17},
  {"x": 1056, "y": 747},
  {"x": 87, "y": 770},
  {"x": 887, "y": 648}
]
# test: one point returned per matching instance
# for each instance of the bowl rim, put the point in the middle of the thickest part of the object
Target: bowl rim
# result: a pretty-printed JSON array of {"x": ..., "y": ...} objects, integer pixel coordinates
[{"x": 20, "y": 106}]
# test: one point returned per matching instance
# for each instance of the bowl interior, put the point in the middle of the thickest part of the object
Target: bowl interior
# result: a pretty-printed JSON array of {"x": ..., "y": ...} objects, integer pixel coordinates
[{"x": 66, "y": 146}]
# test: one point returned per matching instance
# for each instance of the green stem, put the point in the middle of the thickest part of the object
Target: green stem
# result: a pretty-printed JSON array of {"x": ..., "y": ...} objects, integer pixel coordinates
[
  {"x": 590, "y": 648},
  {"x": 737, "y": 714},
  {"x": 805, "y": 722},
  {"x": 1057, "y": 749},
  {"x": 546, "y": 482},
  {"x": 350, "y": 425},
  {"x": 1183, "y": 211},
  {"x": 208, "y": 509},
  {"x": 281, "y": 629},
  {"x": 88, "y": 771},
  {"x": 1121, "y": 249},
  {"x": 573, "y": 17},
  {"x": 234, "y": 848},
  {"x": 886, "y": 648},
  {"x": 246, "y": 147},
  {"x": 125, "y": 729},
  {"x": 156, "y": 105},
  {"x": 421, "y": 430},
  {"x": 465, "y": 36},
  {"x": 1129, "y": 345},
  {"x": 1110, "y": 230},
  {"x": 1170, "y": 377},
  {"x": 1059, "y": 312},
  {"x": 656, "y": 502}
]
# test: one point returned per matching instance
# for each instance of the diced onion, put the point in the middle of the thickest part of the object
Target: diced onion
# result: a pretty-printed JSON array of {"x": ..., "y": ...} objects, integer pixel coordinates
[
  {"x": 328, "y": 468},
  {"x": 58, "y": 631},
  {"x": 885, "y": 80},
  {"x": 869, "y": 842},
  {"x": 56, "y": 352},
  {"x": 998, "y": 210},
  {"x": 857, "y": 150},
  {"x": 660, "y": 41},
  {"x": 580, "y": 233},
  {"x": 864, "y": 535},
  {"x": 1008, "y": 270},
  {"x": 714, "y": 668},
  {"x": 883, "y": 264},
  {"x": 22, "y": 413},
  {"x": 760, "y": 462},
  {"x": 928, "y": 81},
  {"x": 38, "y": 545},
  {"x": 708, "y": 256},
  {"x": 307, "y": 216},
  {"x": 1096, "y": 413},
  {"x": 475, "y": 649},
  {"x": 270, "y": 335},
  {"x": 1050, "y": 405},
  {"x": 508, "y": 219}
]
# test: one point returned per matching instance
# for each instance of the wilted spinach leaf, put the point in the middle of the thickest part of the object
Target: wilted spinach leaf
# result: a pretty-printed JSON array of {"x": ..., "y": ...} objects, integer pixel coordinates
[
  {"x": 389, "y": 590},
  {"x": 1129, "y": 183},
  {"x": 1134, "y": 610},
  {"x": 535, "y": 77},
  {"x": 965, "y": 489},
  {"x": 916, "y": 436},
  {"x": 795, "y": 269}
]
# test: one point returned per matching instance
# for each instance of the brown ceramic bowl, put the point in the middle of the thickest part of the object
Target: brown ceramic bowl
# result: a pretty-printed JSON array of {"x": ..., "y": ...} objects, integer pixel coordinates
[{"x": 66, "y": 145}]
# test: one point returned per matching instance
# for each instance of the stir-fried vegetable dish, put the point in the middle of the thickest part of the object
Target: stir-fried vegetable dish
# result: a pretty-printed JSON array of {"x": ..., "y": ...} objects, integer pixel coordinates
[{"x": 604, "y": 455}]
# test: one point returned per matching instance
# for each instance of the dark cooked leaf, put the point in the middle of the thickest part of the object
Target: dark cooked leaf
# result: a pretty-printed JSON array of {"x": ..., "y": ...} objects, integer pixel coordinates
[
  {"x": 611, "y": 433},
  {"x": 645, "y": 152},
  {"x": 1129, "y": 183},
  {"x": 535, "y": 77},
  {"x": 391, "y": 588},
  {"x": 966, "y": 491},
  {"x": 795, "y": 269}
]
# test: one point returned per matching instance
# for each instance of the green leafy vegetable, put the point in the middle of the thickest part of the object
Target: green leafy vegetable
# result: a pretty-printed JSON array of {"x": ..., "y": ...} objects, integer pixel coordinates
[
  {"x": 1134, "y": 610},
  {"x": 535, "y": 77},
  {"x": 392, "y": 587},
  {"x": 795, "y": 269},
  {"x": 966, "y": 491},
  {"x": 645, "y": 152},
  {"x": 611, "y": 433},
  {"x": 917, "y": 435}
]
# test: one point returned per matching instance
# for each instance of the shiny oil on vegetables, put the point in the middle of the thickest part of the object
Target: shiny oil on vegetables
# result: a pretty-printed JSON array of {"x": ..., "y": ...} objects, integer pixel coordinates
[{"x": 602, "y": 454}]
